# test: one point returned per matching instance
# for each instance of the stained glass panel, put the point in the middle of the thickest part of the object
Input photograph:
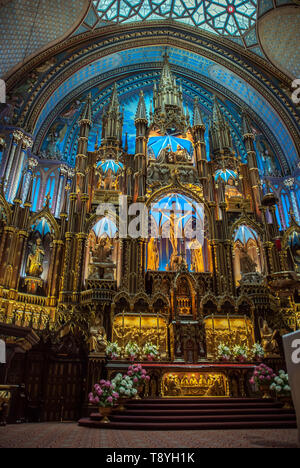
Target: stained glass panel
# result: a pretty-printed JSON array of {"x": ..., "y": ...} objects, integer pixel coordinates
[{"x": 226, "y": 17}]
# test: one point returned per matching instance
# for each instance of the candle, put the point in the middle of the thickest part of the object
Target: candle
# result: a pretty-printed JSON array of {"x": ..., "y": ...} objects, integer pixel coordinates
[
  {"x": 245, "y": 318},
  {"x": 228, "y": 318},
  {"x": 158, "y": 344}
]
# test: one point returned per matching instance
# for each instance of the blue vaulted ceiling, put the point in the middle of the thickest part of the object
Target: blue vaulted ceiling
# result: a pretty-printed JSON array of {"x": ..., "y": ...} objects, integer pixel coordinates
[{"x": 219, "y": 79}]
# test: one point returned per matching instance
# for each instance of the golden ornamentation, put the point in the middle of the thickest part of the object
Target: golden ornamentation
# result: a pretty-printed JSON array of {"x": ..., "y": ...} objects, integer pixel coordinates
[{"x": 198, "y": 384}]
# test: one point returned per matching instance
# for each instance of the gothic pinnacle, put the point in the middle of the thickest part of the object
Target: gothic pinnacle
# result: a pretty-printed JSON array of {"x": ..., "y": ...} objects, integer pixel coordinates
[
  {"x": 197, "y": 115},
  {"x": 141, "y": 112},
  {"x": 86, "y": 115},
  {"x": 246, "y": 127}
]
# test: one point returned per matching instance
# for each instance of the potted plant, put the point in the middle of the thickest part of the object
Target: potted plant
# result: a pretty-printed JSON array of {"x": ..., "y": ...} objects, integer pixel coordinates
[
  {"x": 282, "y": 389},
  {"x": 139, "y": 377},
  {"x": 113, "y": 350},
  {"x": 240, "y": 353},
  {"x": 224, "y": 352},
  {"x": 104, "y": 396},
  {"x": 124, "y": 386},
  {"x": 150, "y": 351},
  {"x": 132, "y": 350},
  {"x": 262, "y": 377},
  {"x": 257, "y": 352}
]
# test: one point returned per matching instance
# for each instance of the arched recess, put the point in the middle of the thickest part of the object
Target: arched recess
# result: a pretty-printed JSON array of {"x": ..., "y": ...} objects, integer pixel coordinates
[
  {"x": 38, "y": 255},
  {"x": 291, "y": 245},
  {"x": 177, "y": 234},
  {"x": 248, "y": 251},
  {"x": 45, "y": 213},
  {"x": 102, "y": 259}
]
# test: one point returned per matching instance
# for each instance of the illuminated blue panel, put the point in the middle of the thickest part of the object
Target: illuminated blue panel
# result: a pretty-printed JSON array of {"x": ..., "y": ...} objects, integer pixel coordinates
[
  {"x": 36, "y": 191},
  {"x": 224, "y": 17},
  {"x": 42, "y": 227},
  {"x": 157, "y": 144},
  {"x": 244, "y": 233},
  {"x": 110, "y": 164},
  {"x": 286, "y": 206},
  {"x": 50, "y": 188},
  {"x": 225, "y": 174},
  {"x": 105, "y": 227}
]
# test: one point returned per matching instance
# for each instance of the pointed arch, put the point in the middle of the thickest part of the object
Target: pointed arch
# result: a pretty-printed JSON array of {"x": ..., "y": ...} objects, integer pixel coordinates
[{"x": 45, "y": 213}]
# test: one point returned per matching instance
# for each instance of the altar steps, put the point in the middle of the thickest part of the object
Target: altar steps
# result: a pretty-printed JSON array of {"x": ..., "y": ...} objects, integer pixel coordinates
[{"x": 205, "y": 413}]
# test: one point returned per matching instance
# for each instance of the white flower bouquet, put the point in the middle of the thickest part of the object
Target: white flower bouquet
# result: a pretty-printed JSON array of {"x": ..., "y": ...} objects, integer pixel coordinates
[
  {"x": 240, "y": 353},
  {"x": 132, "y": 350},
  {"x": 113, "y": 350},
  {"x": 224, "y": 352},
  {"x": 280, "y": 384},
  {"x": 150, "y": 351},
  {"x": 257, "y": 352}
]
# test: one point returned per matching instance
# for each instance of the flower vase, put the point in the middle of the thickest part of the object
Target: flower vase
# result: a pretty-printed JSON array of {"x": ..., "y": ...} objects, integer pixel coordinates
[
  {"x": 105, "y": 411},
  {"x": 265, "y": 390},
  {"x": 286, "y": 400},
  {"x": 121, "y": 407},
  {"x": 137, "y": 396},
  {"x": 150, "y": 358}
]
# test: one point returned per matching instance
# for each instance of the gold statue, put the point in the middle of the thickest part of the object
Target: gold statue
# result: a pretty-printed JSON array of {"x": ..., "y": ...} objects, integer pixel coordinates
[
  {"x": 246, "y": 262},
  {"x": 98, "y": 340},
  {"x": 34, "y": 267},
  {"x": 197, "y": 256},
  {"x": 268, "y": 340},
  {"x": 153, "y": 255}
]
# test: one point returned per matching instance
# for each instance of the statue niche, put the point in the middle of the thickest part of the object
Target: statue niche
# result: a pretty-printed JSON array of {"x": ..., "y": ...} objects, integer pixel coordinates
[
  {"x": 101, "y": 265},
  {"x": 34, "y": 267}
]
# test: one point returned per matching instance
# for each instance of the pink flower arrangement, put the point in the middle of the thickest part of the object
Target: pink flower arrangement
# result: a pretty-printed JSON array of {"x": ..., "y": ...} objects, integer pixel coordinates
[
  {"x": 262, "y": 375},
  {"x": 138, "y": 374},
  {"x": 104, "y": 394}
]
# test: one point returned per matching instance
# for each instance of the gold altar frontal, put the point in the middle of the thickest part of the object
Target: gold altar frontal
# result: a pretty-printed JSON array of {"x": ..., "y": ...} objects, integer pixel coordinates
[
  {"x": 195, "y": 384},
  {"x": 228, "y": 329},
  {"x": 141, "y": 329}
]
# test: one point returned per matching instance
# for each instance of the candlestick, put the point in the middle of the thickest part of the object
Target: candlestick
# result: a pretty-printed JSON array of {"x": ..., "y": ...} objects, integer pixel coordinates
[{"x": 158, "y": 344}]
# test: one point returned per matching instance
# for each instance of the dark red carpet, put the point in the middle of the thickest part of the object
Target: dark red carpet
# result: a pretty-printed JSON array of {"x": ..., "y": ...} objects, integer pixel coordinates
[{"x": 205, "y": 413}]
